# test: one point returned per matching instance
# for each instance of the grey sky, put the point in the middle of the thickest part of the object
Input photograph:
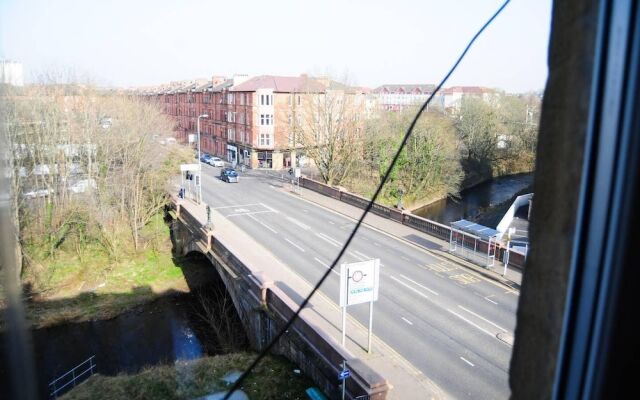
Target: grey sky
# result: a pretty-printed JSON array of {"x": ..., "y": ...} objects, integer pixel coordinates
[{"x": 143, "y": 42}]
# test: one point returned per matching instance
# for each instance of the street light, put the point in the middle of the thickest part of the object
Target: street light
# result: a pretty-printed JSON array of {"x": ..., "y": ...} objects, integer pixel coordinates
[{"x": 199, "y": 160}]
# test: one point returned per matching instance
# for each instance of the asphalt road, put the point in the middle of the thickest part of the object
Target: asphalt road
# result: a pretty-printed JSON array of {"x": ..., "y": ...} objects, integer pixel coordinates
[{"x": 452, "y": 324}]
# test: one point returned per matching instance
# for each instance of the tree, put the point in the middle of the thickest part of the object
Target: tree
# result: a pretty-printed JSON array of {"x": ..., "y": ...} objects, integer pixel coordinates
[
  {"x": 329, "y": 127},
  {"x": 429, "y": 164},
  {"x": 86, "y": 167}
]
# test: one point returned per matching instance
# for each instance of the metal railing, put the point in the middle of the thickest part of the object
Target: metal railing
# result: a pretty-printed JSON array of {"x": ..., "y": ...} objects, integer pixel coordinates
[{"x": 72, "y": 377}]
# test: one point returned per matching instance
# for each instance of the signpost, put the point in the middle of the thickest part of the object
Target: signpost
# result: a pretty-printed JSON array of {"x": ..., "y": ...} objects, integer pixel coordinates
[
  {"x": 342, "y": 376},
  {"x": 359, "y": 283}
]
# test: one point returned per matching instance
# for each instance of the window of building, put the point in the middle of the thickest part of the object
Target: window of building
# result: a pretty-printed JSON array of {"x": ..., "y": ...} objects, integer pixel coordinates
[
  {"x": 265, "y": 139},
  {"x": 229, "y": 98},
  {"x": 266, "y": 119},
  {"x": 266, "y": 99},
  {"x": 231, "y": 134}
]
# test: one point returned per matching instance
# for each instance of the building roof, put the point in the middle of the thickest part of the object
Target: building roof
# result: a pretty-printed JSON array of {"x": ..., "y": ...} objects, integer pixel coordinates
[
  {"x": 402, "y": 89},
  {"x": 286, "y": 84},
  {"x": 484, "y": 232}
]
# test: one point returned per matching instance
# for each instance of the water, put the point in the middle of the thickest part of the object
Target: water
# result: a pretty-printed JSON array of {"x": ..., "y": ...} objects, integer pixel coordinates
[
  {"x": 484, "y": 203},
  {"x": 162, "y": 332}
]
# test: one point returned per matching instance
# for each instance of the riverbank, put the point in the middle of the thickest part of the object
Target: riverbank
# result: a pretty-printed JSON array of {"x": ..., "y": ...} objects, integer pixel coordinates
[
  {"x": 73, "y": 287},
  {"x": 273, "y": 378},
  {"x": 466, "y": 185}
]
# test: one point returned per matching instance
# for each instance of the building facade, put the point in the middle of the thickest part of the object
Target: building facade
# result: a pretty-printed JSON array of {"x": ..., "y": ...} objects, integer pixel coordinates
[{"x": 256, "y": 122}]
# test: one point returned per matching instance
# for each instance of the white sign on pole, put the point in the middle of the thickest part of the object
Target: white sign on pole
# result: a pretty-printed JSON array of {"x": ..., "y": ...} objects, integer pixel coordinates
[
  {"x": 189, "y": 167},
  {"x": 359, "y": 282},
  {"x": 192, "y": 138}
]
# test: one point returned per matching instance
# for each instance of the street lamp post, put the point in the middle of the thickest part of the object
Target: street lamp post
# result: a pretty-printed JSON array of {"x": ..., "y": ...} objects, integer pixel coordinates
[{"x": 199, "y": 160}]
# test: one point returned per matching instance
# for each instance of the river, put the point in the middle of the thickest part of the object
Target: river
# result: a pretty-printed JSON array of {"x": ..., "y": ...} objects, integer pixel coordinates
[
  {"x": 484, "y": 203},
  {"x": 164, "y": 331}
]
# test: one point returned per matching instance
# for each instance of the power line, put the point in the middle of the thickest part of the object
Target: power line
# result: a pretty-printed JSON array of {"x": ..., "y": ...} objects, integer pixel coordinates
[{"x": 407, "y": 135}]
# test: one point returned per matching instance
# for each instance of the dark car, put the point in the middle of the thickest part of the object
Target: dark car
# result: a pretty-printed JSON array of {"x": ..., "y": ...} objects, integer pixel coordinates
[{"x": 229, "y": 174}]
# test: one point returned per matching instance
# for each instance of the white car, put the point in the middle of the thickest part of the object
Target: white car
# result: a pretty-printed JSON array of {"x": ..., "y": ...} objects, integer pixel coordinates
[{"x": 216, "y": 162}]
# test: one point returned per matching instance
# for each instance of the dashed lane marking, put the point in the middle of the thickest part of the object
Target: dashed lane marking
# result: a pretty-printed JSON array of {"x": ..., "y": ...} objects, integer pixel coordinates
[
  {"x": 300, "y": 224},
  {"x": 294, "y": 245},
  {"x": 407, "y": 321},
  {"x": 471, "y": 323},
  {"x": 409, "y": 287},
  {"x": 329, "y": 240},
  {"x": 366, "y": 257},
  {"x": 417, "y": 284},
  {"x": 467, "y": 361},
  {"x": 482, "y": 318},
  {"x": 262, "y": 223},
  {"x": 327, "y": 266},
  {"x": 489, "y": 300}
]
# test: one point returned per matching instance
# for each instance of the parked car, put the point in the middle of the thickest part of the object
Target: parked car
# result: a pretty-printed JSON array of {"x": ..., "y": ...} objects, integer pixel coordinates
[
  {"x": 216, "y": 162},
  {"x": 205, "y": 158},
  {"x": 229, "y": 174}
]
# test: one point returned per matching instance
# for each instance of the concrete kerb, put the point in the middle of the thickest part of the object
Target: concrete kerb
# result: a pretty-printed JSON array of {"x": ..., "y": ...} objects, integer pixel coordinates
[{"x": 442, "y": 255}]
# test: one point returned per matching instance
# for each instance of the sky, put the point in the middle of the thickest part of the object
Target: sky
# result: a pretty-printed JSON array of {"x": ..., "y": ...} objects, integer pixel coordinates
[{"x": 368, "y": 43}]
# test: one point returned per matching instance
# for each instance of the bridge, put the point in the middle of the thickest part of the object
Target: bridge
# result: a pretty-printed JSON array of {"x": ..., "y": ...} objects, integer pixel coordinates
[
  {"x": 443, "y": 327},
  {"x": 248, "y": 272}
]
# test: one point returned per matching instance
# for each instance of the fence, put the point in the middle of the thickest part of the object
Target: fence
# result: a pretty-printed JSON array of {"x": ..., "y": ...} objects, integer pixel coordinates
[
  {"x": 72, "y": 377},
  {"x": 427, "y": 226}
]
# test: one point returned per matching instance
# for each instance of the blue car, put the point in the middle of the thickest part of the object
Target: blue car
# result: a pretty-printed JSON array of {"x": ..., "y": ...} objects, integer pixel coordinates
[{"x": 229, "y": 175}]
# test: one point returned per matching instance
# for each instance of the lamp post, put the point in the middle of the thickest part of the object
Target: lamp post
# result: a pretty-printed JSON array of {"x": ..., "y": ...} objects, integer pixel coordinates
[{"x": 199, "y": 160}]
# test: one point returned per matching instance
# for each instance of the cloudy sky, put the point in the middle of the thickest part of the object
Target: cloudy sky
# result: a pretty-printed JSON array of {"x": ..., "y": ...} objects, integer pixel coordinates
[{"x": 146, "y": 42}]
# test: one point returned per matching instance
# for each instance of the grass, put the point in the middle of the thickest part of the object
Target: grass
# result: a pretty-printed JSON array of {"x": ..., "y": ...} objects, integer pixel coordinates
[
  {"x": 273, "y": 379},
  {"x": 92, "y": 285}
]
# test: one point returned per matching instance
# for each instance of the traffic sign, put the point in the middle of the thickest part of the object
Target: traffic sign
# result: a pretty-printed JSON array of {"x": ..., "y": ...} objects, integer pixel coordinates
[{"x": 344, "y": 374}]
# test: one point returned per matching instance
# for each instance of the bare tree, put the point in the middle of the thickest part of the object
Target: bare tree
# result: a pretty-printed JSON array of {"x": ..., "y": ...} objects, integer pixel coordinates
[{"x": 329, "y": 123}]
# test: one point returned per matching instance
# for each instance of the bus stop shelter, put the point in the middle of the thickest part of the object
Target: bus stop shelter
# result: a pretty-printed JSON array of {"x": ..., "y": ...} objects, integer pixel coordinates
[{"x": 477, "y": 243}]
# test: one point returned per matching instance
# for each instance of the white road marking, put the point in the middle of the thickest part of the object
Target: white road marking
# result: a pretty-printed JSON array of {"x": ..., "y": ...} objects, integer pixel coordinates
[
  {"x": 471, "y": 323},
  {"x": 300, "y": 224},
  {"x": 327, "y": 266},
  {"x": 467, "y": 361},
  {"x": 305, "y": 211},
  {"x": 405, "y": 258},
  {"x": 366, "y": 257},
  {"x": 407, "y": 321},
  {"x": 489, "y": 300},
  {"x": 269, "y": 208},
  {"x": 483, "y": 318},
  {"x": 409, "y": 287},
  {"x": 249, "y": 213},
  {"x": 328, "y": 239},
  {"x": 262, "y": 223},
  {"x": 238, "y": 205},
  {"x": 376, "y": 244},
  {"x": 241, "y": 210},
  {"x": 352, "y": 254},
  {"x": 417, "y": 284},
  {"x": 295, "y": 245},
  {"x": 332, "y": 223}
]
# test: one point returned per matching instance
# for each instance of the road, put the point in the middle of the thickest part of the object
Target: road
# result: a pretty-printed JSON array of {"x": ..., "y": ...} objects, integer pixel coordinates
[{"x": 452, "y": 324}]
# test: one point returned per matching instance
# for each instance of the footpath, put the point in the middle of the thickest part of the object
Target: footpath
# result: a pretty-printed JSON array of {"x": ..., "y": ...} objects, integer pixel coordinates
[
  {"x": 439, "y": 248},
  {"x": 407, "y": 382}
]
